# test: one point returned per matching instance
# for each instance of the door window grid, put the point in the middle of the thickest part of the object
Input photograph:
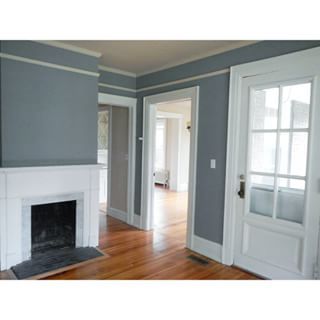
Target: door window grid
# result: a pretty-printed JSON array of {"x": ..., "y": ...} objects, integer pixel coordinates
[{"x": 289, "y": 181}]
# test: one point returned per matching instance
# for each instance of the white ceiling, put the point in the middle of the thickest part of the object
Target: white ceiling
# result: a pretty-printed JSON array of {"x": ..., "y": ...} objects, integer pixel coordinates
[{"x": 141, "y": 57}]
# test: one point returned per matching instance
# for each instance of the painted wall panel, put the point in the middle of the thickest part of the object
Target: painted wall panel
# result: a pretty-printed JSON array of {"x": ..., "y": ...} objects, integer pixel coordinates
[
  {"x": 49, "y": 116},
  {"x": 117, "y": 92},
  {"x": 117, "y": 79}
]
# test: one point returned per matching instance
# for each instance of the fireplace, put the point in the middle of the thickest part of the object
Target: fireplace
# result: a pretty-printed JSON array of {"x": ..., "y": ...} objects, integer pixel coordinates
[
  {"x": 53, "y": 226},
  {"x": 30, "y": 198}
]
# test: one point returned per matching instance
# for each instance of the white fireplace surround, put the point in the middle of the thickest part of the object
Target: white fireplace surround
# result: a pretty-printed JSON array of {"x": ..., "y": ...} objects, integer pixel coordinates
[{"x": 20, "y": 188}]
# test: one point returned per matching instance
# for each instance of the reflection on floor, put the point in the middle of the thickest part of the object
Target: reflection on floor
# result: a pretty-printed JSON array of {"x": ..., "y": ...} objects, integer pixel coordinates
[
  {"x": 157, "y": 254},
  {"x": 170, "y": 211}
]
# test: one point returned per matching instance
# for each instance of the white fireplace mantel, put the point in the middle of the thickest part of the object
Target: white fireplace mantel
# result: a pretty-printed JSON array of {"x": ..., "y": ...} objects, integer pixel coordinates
[{"x": 25, "y": 184}]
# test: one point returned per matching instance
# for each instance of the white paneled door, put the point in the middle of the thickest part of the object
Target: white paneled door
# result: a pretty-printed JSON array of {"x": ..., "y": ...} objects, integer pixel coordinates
[{"x": 278, "y": 171}]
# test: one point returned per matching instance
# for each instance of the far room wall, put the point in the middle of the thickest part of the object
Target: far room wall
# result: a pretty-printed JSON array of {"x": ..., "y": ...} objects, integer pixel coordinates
[{"x": 179, "y": 179}]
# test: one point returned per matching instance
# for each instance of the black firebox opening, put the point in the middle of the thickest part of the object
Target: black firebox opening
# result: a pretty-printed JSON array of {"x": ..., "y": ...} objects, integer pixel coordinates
[{"x": 53, "y": 226}]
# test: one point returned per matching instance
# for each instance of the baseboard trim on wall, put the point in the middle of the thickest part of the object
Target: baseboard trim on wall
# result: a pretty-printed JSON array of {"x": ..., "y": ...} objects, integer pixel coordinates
[
  {"x": 117, "y": 214},
  {"x": 137, "y": 221},
  {"x": 101, "y": 84},
  {"x": 207, "y": 248}
]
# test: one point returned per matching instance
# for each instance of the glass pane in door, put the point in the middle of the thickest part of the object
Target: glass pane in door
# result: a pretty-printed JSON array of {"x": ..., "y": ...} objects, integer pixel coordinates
[
  {"x": 295, "y": 106},
  {"x": 290, "y": 200},
  {"x": 279, "y": 151},
  {"x": 263, "y": 152},
  {"x": 293, "y": 151},
  {"x": 265, "y": 108},
  {"x": 261, "y": 195}
]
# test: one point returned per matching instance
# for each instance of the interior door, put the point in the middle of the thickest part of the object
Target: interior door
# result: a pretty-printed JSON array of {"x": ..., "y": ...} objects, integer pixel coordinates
[
  {"x": 119, "y": 150},
  {"x": 277, "y": 219}
]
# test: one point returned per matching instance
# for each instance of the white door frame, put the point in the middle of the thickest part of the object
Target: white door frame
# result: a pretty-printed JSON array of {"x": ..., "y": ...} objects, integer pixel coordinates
[
  {"x": 306, "y": 59},
  {"x": 131, "y": 103},
  {"x": 148, "y": 155}
]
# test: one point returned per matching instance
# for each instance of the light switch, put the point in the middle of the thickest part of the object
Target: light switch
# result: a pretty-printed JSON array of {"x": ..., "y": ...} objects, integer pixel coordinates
[{"x": 213, "y": 163}]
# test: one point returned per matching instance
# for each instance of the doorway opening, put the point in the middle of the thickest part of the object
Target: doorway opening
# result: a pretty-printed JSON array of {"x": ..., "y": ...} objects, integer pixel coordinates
[
  {"x": 171, "y": 167},
  {"x": 116, "y": 153},
  {"x": 169, "y": 163},
  {"x": 103, "y": 143}
]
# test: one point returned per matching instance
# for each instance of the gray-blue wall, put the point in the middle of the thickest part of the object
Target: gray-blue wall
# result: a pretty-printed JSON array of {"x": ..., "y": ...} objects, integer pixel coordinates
[
  {"x": 48, "y": 116},
  {"x": 126, "y": 83},
  {"x": 213, "y": 118}
]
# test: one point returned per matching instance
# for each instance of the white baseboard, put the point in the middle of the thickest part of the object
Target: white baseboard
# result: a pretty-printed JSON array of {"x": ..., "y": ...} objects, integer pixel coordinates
[
  {"x": 207, "y": 248},
  {"x": 136, "y": 221},
  {"x": 117, "y": 214}
]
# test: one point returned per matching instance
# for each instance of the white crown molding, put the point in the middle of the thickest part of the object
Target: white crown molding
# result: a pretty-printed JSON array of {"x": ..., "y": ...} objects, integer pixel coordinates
[
  {"x": 234, "y": 45},
  {"x": 165, "y": 84},
  {"x": 119, "y": 71},
  {"x": 48, "y": 64},
  {"x": 70, "y": 47},
  {"x": 201, "y": 76},
  {"x": 116, "y": 87}
]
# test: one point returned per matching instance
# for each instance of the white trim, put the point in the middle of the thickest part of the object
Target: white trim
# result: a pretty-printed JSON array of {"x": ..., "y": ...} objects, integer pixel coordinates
[
  {"x": 131, "y": 103},
  {"x": 201, "y": 76},
  {"x": 165, "y": 84},
  {"x": 50, "y": 168},
  {"x": 117, "y": 214},
  {"x": 101, "y": 84},
  {"x": 136, "y": 221},
  {"x": 118, "y": 71},
  {"x": 70, "y": 47},
  {"x": 48, "y": 64},
  {"x": 225, "y": 48},
  {"x": 148, "y": 155},
  {"x": 109, "y": 109},
  {"x": 307, "y": 59},
  {"x": 207, "y": 248}
]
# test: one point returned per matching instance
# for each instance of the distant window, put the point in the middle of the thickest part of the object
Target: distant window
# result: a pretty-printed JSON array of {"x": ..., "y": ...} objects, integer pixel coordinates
[{"x": 160, "y": 156}]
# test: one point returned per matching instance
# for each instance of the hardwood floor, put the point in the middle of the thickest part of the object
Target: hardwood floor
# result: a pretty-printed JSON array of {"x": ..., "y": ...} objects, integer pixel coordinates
[{"x": 157, "y": 254}]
